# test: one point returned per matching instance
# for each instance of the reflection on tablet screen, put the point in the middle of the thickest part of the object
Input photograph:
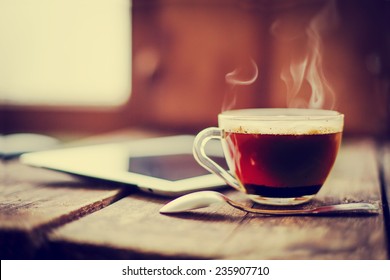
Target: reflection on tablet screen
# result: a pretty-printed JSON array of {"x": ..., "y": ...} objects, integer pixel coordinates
[{"x": 170, "y": 167}]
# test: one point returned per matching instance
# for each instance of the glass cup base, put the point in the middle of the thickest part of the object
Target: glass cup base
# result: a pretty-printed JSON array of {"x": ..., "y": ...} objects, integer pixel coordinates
[{"x": 279, "y": 201}]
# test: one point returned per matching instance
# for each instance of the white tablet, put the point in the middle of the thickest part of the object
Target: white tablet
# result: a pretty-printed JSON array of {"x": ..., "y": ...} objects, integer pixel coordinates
[{"x": 163, "y": 165}]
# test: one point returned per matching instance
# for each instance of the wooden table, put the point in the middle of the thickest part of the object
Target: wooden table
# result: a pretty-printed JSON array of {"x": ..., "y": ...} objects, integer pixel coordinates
[{"x": 52, "y": 215}]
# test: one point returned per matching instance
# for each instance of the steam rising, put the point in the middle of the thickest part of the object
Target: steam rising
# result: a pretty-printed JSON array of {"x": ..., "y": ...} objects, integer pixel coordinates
[
  {"x": 242, "y": 76},
  {"x": 310, "y": 68},
  {"x": 301, "y": 71},
  {"x": 234, "y": 77}
]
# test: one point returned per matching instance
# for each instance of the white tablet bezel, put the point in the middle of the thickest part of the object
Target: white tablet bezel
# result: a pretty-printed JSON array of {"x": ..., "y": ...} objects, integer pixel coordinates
[{"x": 104, "y": 161}]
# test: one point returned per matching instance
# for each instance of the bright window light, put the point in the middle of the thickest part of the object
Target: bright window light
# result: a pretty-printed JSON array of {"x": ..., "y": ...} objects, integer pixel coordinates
[{"x": 65, "y": 52}]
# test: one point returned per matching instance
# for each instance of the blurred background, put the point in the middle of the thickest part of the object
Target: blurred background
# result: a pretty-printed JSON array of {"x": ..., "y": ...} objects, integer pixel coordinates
[{"x": 80, "y": 68}]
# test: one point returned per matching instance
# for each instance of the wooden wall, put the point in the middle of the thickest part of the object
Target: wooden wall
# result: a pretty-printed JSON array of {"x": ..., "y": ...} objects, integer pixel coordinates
[{"x": 182, "y": 51}]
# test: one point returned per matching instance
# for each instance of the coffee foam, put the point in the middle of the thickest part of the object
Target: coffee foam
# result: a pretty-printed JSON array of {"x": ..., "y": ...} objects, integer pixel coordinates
[{"x": 277, "y": 122}]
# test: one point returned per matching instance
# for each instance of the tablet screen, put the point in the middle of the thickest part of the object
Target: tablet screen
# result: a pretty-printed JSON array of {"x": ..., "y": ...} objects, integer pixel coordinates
[
  {"x": 170, "y": 167},
  {"x": 160, "y": 165}
]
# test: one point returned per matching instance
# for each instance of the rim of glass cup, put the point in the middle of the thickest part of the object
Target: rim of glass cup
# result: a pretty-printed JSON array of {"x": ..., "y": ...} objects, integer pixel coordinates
[{"x": 280, "y": 114}]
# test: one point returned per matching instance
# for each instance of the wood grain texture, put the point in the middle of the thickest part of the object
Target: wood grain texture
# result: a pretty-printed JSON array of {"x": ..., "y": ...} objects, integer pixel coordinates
[
  {"x": 33, "y": 201},
  {"x": 132, "y": 227}
]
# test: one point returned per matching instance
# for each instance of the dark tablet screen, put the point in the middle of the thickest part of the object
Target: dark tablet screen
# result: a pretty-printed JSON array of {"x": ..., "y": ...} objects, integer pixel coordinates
[{"x": 170, "y": 167}]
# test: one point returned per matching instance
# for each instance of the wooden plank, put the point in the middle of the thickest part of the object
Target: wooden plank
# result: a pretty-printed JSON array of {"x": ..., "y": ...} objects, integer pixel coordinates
[
  {"x": 33, "y": 201},
  {"x": 133, "y": 228}
]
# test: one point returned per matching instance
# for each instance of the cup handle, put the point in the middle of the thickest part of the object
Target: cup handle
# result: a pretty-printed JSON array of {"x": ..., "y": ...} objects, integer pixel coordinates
[{"x": 200, "y": 155}]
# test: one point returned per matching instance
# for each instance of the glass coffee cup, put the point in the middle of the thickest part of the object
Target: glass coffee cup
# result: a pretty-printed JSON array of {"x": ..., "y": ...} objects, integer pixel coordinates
[{"x": 275, "y": 156}]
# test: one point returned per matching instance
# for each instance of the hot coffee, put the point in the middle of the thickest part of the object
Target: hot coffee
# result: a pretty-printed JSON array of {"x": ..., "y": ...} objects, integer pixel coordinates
[
  {"x": 281, "y": 166},
  {"x": 276, "y": 156}
]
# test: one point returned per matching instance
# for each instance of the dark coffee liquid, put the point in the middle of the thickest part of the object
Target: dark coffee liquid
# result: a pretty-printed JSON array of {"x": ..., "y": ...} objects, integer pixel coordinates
[{"x": 282, "y": 166}]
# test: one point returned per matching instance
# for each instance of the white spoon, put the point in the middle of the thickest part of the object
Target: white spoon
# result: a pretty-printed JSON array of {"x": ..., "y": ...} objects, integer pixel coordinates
[{"x": 206, "y": 198}]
